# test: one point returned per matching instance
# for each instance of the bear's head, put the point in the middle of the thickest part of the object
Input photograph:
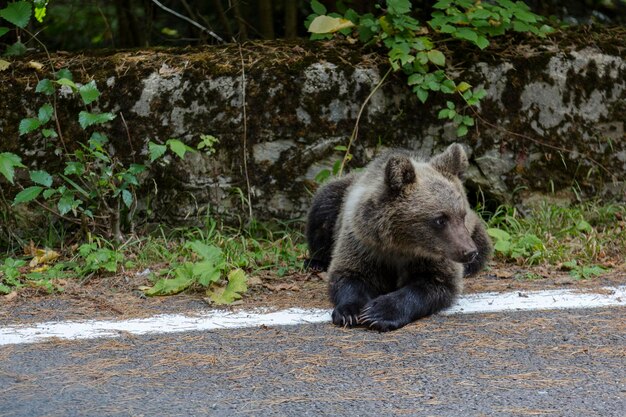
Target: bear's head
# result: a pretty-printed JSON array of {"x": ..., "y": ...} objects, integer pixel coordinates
[{"x": 424, "y": 207}]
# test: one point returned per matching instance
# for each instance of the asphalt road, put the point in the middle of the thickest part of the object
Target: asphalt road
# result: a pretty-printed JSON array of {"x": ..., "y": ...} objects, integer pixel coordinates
[{"x": 556, "y": 363}]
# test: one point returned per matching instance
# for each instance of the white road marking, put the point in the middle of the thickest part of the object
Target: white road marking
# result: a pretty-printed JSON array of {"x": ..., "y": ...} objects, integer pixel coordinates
[{"x": 219, "y": 319}]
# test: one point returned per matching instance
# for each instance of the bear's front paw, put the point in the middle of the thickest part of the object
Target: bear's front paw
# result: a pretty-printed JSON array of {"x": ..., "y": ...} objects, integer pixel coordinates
[
  {"x": 346, "y": 315},
  {"x": 382, "y": 314}
]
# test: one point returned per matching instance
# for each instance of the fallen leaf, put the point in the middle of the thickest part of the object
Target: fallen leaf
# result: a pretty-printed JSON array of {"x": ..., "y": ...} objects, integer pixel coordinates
[
  {"x": 503, "y": 274},
  {"x": 253, "y": 281},
  {"x": 31, "y": 249},
  {"x": 237, "y": 285},
  {"x": 327, "y": 24},
  {"x": 36, "y": 65},
  {"x": 285, "y": 286},
  {"x": 43, "y": 256},
  {"x": 41, "y": 268},
  {"x": 10, "y": 296},
  {"x": 4, "y": 64},
  {"x": 167, "y": 71}
]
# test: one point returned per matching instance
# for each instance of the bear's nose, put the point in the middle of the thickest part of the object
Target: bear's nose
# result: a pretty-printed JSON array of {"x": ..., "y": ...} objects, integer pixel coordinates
[{"x": 469, "y": 256}]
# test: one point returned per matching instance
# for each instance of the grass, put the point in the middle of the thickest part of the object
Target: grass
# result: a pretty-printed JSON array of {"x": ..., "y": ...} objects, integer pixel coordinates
[
  {"x": 585, "y": 239},
  {"x": 206, "y": 258}
]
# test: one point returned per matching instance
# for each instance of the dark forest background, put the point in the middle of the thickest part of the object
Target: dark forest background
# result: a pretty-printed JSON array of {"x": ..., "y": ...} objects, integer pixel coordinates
[{"x": 79, "y": 24}]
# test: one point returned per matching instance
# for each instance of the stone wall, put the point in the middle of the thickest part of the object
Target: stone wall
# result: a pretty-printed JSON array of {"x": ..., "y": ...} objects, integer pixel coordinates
[{"x": 552, "y": 121}]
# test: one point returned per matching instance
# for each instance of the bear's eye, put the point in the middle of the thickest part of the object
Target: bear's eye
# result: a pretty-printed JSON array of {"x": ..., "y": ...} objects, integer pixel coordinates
[{"x": 440, "y": 221}]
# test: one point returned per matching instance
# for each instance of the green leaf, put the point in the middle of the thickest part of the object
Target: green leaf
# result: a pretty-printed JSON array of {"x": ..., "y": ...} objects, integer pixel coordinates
[
  {"x": 169, "y": 32},
  {"x": 545, "y": 29},
  {"x": 89, "y": 92},
  {"x": 236, "y": 286},
  {"x": 482, "y": 42},
  {"x": 74, "y": 168},
  {"x": 97, "y": 140},
  {"x": 45, "y": 86},
  {"x": 480, "y": 14},
  {"x": 182, "y": 281},
  {"x": 569, "y": 264},
  {"x": 502, "y": 246},
  {"x": 443, "y": 4},
  {"x": 398, "y": 6},
  {"x": 127, "y": 197},
  {"x": 401, "y": 51},
  {"x": 49, "y": 133},
  {"x": 8, "y": 163},
  {"x": 87, "y": 119},
  {"x": 40, "y": 9},
  {"x": 17, "y": 49},
  {"x": 480, "y": 94},
  {"x": 49, "y": 193},
  {"x": 448, "y": 86},
  {"x": 448, "y": 29},
  {"x": 63, "y": 73},
  {"x": 436, "y": 57},
  {"x": 136, "y": 169},
  {"x": 415, "y": 78},
  {"x": 317, "y": 7},
  {"x": 525, "y": 16},
  {"x": 337, "y": 166},
  {"x": 67, "y": 203},
  {"x": 327, "y": 24},
  {"x": 3, "y": 31},
  {"x": 584, "y": 226},
  {"x": 443, "y": 114},
  {"x": 422, "y": 95},
  {"x": 467, "y": 34},
  {"x": 41, "y": 178},
  {"x": 129, "y": 179},
  {"x": 590, "y": 271},
  {"x": 179, "y": 148},
  {"x": 45, "y": 113},
  {"x": 461, "y": 131},
  {"x": 28, "y": 125},
  {"x": 498, "y": 234},
  {"x": 27, "y": 194},
  {"x": 17, "y": 13},
  {"x": 519, "y": 26},
  {"x": 206, "y": 273},
  {"x": 207, "y": 142},
  {"x": 322, "y": 176},
  {"x": 156, "y": 151},
  {"x": 462, "y": 86},
  {"x": 68, "y": 82},
  {"x": 206, "y": 252}
]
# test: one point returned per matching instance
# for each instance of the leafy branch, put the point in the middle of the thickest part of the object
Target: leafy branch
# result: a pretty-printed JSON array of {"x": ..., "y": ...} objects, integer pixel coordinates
[{"x": 412, "y": 48}]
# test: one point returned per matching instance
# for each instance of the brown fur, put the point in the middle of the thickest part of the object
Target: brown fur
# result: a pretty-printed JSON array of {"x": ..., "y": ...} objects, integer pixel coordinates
[{"x": 402, "y": 240}]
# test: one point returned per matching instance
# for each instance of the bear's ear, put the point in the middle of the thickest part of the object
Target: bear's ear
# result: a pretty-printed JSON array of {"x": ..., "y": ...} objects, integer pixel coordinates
[
  {"x": 399, "y": 173},
  {"x": 453, "y": 161}
]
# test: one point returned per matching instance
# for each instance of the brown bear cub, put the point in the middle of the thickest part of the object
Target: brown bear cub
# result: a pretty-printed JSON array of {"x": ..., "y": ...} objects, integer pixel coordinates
[{"x": 397, "y": 238}]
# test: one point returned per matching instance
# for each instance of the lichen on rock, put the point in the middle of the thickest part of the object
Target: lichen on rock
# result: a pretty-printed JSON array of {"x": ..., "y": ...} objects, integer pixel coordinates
[{"x": 552, "y": 119}]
